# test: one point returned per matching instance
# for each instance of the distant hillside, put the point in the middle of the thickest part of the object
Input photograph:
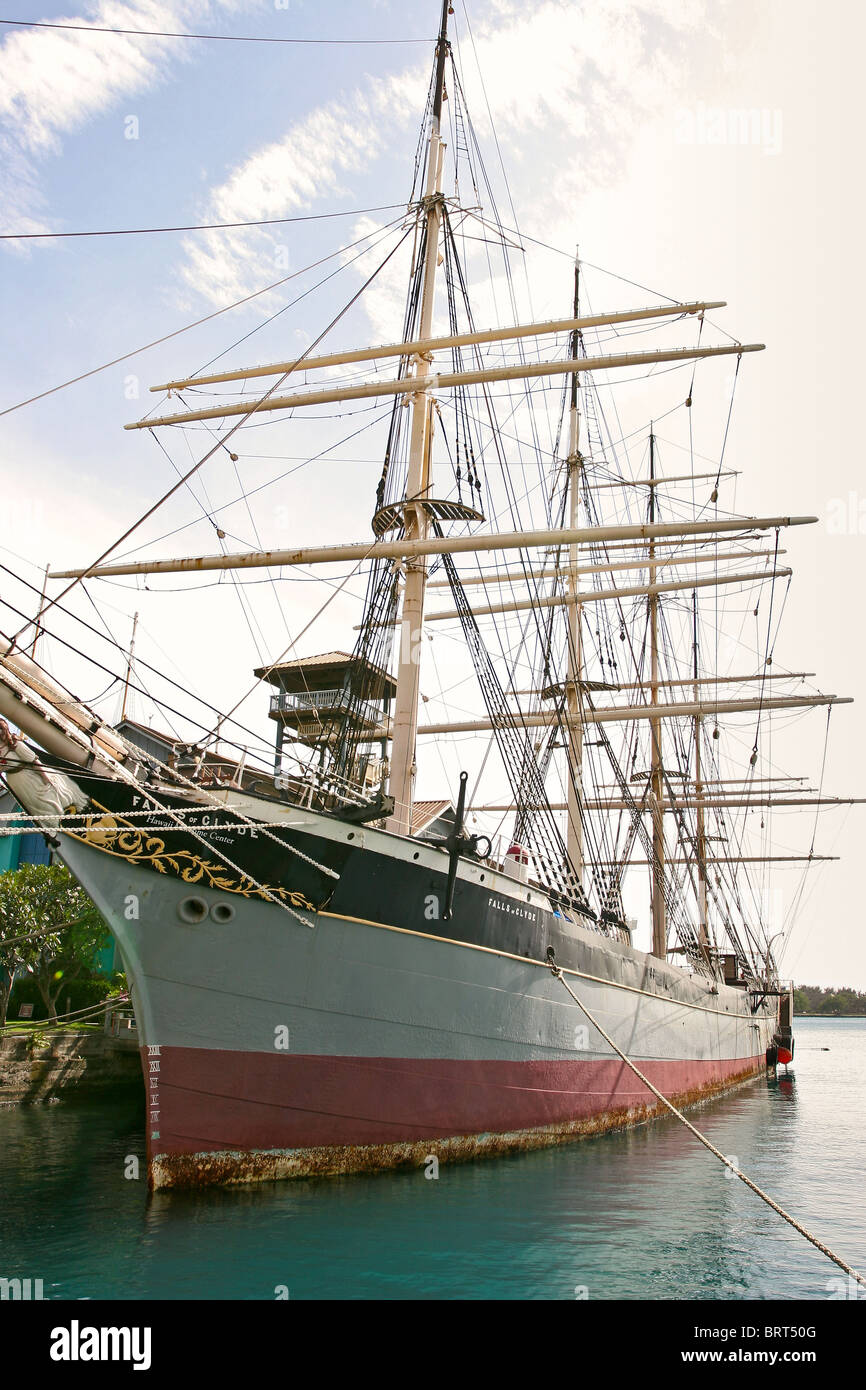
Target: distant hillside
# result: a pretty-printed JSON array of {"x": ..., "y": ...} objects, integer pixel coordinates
[{"x": 836, "y": 1003}]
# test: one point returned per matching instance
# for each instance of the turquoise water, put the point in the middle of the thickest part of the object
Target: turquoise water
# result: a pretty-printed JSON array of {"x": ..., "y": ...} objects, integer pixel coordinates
[{"x": 646, "y": 1214}]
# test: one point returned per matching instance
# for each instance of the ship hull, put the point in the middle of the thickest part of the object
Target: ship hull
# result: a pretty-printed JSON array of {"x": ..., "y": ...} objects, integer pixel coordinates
[
  {"x": 277, "y": 1045},
  {"x": 241, "y": 1117}
]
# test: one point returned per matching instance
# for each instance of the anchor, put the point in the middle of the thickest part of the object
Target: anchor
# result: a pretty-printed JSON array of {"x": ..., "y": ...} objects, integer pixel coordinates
[{"x": 458, "y": 844}]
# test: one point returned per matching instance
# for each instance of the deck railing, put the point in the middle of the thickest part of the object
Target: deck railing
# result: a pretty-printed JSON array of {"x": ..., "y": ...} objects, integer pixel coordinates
[{"x": 312, "y": 702}]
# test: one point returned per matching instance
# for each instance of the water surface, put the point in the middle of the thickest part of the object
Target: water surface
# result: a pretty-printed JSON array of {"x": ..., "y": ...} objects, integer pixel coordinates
[{"x": 645, "y": 1214}]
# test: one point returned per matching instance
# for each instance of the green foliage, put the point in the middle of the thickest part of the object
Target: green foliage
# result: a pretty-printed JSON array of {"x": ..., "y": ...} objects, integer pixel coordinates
[
  {"x": 81, "y": 993},
  {"x": 61, "y": 930},
  {"x": 833, "y": 1003}
]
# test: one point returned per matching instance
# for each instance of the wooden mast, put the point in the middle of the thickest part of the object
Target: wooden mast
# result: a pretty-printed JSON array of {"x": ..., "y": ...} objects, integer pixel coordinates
[
  {"x": 688, "y": 803},
  {"x": 659, "y": 922},
  {"x": 416, "y": 522},
  {"x": 37, "y": 629},
  {"x": 449, "y": 545},
  {"x": 618, "y": 714},
  {"x": 372, "y": 390},
  {"x": 411, "y": 347},
  {"x": 129, "y": 660},
  {"x": 701, "y": 839},
  {"x": 599, "y": 595},
  {"x": 517, "y": 576},
  {"x": 574, "y": 779}
]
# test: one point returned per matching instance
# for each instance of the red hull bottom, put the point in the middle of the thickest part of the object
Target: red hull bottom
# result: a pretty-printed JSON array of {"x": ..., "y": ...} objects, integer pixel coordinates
[{"x": 217, "y": 1117}]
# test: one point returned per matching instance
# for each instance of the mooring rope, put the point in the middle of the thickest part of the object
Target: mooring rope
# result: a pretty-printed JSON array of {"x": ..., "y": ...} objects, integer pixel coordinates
[{"x": 765, "y": 1197}]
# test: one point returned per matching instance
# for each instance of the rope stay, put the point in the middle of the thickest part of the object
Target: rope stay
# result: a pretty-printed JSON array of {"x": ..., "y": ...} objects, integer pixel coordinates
[{"x": 707, "y": 1143}]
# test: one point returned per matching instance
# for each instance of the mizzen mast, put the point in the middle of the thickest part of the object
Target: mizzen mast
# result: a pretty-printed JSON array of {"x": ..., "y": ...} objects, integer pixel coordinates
[{"x": 415, "y": 517}]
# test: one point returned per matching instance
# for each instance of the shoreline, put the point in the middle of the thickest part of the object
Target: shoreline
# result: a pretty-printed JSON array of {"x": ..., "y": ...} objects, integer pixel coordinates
[{"x": 38, "y": 1067}]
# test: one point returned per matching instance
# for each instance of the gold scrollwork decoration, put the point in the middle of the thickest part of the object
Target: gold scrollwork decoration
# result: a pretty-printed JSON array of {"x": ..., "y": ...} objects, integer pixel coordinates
[{"x": 112, "y": 834}]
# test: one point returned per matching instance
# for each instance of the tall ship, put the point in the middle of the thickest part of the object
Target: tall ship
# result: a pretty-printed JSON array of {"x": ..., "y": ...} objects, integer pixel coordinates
[{"x": 330, "y": 972}]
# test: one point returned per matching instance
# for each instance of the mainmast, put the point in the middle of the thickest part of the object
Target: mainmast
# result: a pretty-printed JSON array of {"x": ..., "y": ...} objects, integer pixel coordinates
[
  {"x": 416, "y": 521},
  {"x": 574, "y": 780},
  {"x": 659, "y": 922}
]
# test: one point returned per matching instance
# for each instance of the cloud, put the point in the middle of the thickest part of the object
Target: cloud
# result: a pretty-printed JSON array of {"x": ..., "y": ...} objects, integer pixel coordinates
[
  {"x": 53, "y": 82},
  {"x": 571, "y": 76},
  {"x": 315, "y": 159},
  {"x": 577, "y": 79},
  {"x": 556, "y": 73}
]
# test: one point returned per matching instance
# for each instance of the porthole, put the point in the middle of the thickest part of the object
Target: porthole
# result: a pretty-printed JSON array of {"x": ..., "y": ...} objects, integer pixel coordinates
[
  {"x": 351, "y": 835},
  {"x": 222, "y": 913},
  {"x": 192, "y": 910},
  {"x": 415, "y": 855},
  {"x": 482, "y": 878}
]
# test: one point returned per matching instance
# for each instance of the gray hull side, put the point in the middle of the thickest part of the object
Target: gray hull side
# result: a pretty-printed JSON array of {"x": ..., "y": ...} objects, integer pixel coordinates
[{"x": 349, "y": 988}]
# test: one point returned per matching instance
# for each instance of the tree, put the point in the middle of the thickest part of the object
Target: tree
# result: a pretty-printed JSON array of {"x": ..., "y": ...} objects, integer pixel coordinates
[
  {"x": 832, "y": 1003},
  {"x": 61, "y": 927},
  {"x": 829, "y": 1004},
  {"x": 7, "y": 979}
]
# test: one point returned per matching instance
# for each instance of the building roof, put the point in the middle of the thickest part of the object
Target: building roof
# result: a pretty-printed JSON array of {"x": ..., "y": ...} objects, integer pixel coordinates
[
  {"x": 324, "y": 659},
  {"x": 308, "y": 671},
  {"x": 212, "y": 760},
  {"x": 168, "y": 739},
  {"x": 424, "y": 813}
]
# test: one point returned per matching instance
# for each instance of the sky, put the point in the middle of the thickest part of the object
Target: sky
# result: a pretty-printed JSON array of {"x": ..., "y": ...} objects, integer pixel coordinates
[{"x": 693, "y": 150}]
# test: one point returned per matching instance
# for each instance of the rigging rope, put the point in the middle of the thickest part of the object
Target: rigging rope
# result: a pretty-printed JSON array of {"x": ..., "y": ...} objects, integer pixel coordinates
[
  {"x": 181, "y": 34},
  {"x": 156, "y": 342},
  {"x": 123, "y": 773},
  {"x": 199, "y": 226},
  {"x": 221, "y": 442}
]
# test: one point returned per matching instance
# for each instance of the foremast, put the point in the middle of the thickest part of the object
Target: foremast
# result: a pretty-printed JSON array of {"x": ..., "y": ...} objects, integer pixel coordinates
[{"x": 416, "y": 521}]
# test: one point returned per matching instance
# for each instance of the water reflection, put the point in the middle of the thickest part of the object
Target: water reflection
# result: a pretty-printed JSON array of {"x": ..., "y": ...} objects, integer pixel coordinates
[{"x": 784, "y": 1084}]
